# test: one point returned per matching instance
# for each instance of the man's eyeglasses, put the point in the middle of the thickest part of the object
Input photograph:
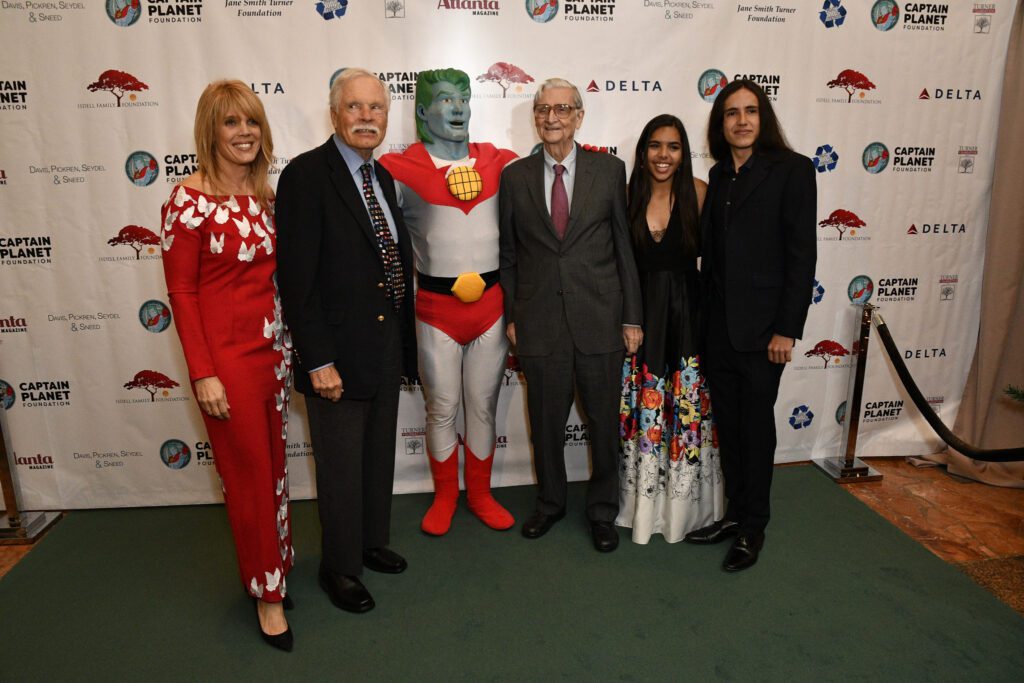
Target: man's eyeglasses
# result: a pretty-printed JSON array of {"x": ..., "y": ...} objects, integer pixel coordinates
[{"x": 562, "y": 111}]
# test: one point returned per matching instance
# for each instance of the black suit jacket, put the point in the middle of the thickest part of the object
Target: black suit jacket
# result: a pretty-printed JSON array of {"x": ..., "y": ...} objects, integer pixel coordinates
[
  {"x": 770, "y": 247},
  {"x": 330, "y": 273}
]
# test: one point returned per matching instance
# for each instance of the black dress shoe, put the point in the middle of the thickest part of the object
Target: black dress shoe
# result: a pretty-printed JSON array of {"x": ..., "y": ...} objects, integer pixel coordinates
[
  {"x": 713, "y": 533},
  {"x": 287, "y": 602},
  {"x": 743, "y": 552},
  {"x": 539, "y": 523},
  {"x": 384, "y": 560},
  {"x": 606, "y": 538},
  {"x": 282, "y": 641},
  {"x": 346, "y": 592}
]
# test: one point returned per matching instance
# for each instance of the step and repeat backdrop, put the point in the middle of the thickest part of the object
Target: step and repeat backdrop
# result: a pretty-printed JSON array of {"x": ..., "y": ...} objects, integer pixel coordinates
[{"x": 896, "y": 103}]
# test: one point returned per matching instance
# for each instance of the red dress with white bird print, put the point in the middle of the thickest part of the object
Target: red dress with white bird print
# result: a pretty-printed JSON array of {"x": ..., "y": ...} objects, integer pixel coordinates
[{"x": 220, "y": 268}]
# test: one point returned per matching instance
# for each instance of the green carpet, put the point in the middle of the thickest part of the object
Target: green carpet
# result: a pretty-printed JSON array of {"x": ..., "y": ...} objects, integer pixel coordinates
[{"x": 839, "y": 594}]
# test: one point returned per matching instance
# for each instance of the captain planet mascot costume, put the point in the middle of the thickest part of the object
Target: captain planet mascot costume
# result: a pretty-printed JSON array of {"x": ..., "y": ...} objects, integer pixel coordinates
[{"x": 448, "y": 191}]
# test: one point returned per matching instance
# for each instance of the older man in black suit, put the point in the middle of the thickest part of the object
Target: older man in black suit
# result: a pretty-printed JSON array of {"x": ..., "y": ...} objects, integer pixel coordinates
[
  {"x": 344, "y": 272},
  {"x": 572, "y": 301},
  {"x": 758, "y": 256}
]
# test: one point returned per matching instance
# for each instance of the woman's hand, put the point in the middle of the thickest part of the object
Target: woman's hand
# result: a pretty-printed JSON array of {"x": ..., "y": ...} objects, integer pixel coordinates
[{"x": 213, "y": 400}]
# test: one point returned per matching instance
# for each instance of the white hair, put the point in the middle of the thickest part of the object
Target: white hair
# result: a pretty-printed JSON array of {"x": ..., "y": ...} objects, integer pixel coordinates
[
  {"x": 350, "y": 74},
  {"x": 552, "y": 83}
]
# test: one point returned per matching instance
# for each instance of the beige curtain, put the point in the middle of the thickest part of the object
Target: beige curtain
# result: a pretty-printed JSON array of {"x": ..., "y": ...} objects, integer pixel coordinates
[{"x": 988, "y": 418}]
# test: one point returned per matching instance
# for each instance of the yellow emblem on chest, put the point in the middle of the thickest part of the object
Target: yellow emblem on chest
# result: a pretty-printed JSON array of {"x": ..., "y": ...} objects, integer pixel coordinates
[{"x": 465, "y": 183}]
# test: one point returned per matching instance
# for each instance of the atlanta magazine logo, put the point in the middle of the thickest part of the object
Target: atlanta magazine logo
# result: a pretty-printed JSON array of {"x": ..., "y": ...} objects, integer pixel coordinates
[
  {"x": 13, "y": 323},
  {"x": 474, "y": 7},
  {"x": 35, "y": 462}
]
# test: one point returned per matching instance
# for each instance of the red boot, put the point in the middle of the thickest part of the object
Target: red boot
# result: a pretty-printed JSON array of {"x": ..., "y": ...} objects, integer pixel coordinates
[
  {"x": 438, "y": 519},
  {"x": 478, "y": 493}
]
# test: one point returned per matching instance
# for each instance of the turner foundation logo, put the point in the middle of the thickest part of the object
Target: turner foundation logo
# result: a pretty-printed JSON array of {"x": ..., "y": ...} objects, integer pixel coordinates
[
  {"x": 855, "y": 84},
  {"x": 175, "y": 453},
  {"x": 124, "y": 12},
  {"x": 947, "y": 287},
  {"x": 937, "y": 229},
  {"x": 817, "y": 293},
  {"x": 770, "y": 83},
  {"x": 13, "y": 95},
  {"x": 12, "y": 324},
  {"x": 966, "y": 159},
  {"x": 177, "y": 167},
  {"x": 475, "y": 7},
  {"x": 882, "y": 411},
  {"x": 885, "y": 14},
  {"x": 710, "y": 84},
  {"x": 860, "y": 290},
  {"x": 16, "y": 251},
  {"x": 45, "y": 393},
  {"x": 825, "y": 159},
  {"x": 842, "y": 221},
  {"x": 401, "y": 84},
  {"x": 801, "y": 417},
  {"x": 331, "y": 9},
  {"x": 577, "y": 435},
  {"x": 259, "y": 8},
  {"x": 983, "y": 14},
  {"x": 912, "y": 159},
  {"x": 832, "y": 13},
  {"x": 541, "y": 11},
  {"x": 141, "y": 168},
  {"x": 897, "y": 289},
  {"x": 174, "y": 11},
  {"x": 415, "y": 439},
  {"x": 625, "y": 86},
  {"x": 143, "y": 241},
  {"x": 118, "y": 84},
  {"x": 35, "y": 462},
  {"x": 394, "y": 9},
  {"x": 155, "y": 316},
  {"x": 923, "y": 353},
  {"x": 829, "y": 351},
  {"x": 302, "y": 449},
  {"x": 588, "y": 10},
  {"x": 875, "y": 158},
  {"x": 773, "y": 14},
  {"x": 509, "y": 77},
  {"x": 7, "y": 395},
  {"x": 156, "y": 384},
  {"x": 949, "y": 94},
  {"x": 925, "y": 16}
]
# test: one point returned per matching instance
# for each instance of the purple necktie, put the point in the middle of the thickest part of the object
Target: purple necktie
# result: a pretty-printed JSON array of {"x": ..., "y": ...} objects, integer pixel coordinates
[{"x": 559, "y": 203}]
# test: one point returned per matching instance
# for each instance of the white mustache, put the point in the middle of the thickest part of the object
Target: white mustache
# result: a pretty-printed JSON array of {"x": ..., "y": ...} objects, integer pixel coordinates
[{"x": 365, "y": 129}]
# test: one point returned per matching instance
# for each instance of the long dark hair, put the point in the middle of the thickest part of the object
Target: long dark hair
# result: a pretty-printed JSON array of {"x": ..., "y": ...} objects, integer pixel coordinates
[
  {"x": 770, "y": 139},
  {"x": 682, "y": 189}
]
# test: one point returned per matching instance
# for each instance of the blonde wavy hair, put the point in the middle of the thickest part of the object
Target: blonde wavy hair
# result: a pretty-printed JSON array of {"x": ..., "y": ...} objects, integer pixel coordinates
[{"x": 219, "y": 99}]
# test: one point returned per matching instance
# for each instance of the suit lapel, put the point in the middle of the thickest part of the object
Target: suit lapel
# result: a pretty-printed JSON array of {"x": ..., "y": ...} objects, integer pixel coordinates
[
  {"x": 758, "y": 172},
  {"x": 346, "y": 188},
  {"x": 538, "y": 193},
  {"x": 581, "y": 187}
]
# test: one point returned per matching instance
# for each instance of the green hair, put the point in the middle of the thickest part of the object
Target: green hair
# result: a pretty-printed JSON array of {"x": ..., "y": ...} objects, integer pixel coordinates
[{"x": 424, "y": 96}]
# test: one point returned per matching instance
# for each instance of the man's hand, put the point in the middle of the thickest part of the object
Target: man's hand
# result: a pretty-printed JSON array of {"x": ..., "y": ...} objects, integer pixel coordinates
[
  {"x": 780, "y": 349},
  {"x": 327, "y": 383},
  {"x": 212, "y": 398},
  {"x": 510, "y": 332},
  {"x": 632, "y": 337}
]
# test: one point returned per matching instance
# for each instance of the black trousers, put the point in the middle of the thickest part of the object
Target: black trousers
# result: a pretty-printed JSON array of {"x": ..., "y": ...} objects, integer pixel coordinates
[
  {"x": 550, "y": 387},
  {"x": 743, "y": 386},
  {"x": 354, "y": 451}
]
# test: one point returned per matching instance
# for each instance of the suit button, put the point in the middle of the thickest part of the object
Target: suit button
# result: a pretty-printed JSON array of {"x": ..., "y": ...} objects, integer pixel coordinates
[
  {"x": 559, "y": 292},
  {"x": 380, "y": 318},
  {"x": 380, "y": 285}
]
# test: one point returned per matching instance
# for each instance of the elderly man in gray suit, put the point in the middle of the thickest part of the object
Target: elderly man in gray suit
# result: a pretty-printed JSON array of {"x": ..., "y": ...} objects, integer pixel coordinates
[{"x": 572, "y": 301}]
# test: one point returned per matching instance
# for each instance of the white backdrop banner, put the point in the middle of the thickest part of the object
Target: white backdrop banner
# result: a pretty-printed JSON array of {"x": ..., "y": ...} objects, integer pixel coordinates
[{"x": 896, "y": 103}]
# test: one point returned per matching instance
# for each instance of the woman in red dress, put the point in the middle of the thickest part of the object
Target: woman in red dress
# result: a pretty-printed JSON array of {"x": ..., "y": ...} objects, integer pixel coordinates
[{"x": 219, "y": 263}]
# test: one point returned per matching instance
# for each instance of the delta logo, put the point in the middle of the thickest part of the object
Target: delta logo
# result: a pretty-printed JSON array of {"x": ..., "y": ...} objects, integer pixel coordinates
[
  {"x": 625, "y": 86},
  {"x": 118, "y": 84},
  {"x": 832, "y": 13},
  {"x": 913, "y": 159},
  {"x": 924, "y": 353},
  {"x": 854, "y": 84},
  {"x": 174, "y": 11},
  {"x": 801, "y": 417},
  {"x": 35, "y": 462},
  {"x": 882, "y": 411},
  {"x": 860, "y": 290},
  {"x": 843, "y": 221},
  {"x": 950, "y": 94},
  {"x": 45, "y": 393},
  {"x": 475, "y": 7},
  {"x": 825, "y": 159},
  {"x": 177, "y": 167},
  {"x": 875, "y": 158},
  {"x": 508, "y": 77},
  {"x": 770, "y": 83},
  {"x": 829, "y": 351},
  {"x": 25, "y": 249},
  {"x": 143, "y": 241},
  {"x": 7, "y": 395},
  {"x": 141, "y": 168},
  {"x": 966, "y": 160},
  {"x": 12, "y": 324},
  {"x": 331, "y": 9},
  {"x": 947, "y": 287},
  {"x": 983, "y": 14},
  {"x": 155, "y": 316},
  {"x": 925, "y": 16},
  {"x": 156, "y": 384},
  {"x": 897, "y": 288},
  {"x": 175, "y": 453},
  {"x": 124, "y": 12},
  {"x": 267, "y": 88},
  {"x": 711, "y": 83},
  {"x": 589, "y": 10},
  {"x": 937, "y": 229},
  {"x": 401, "y": 84},
  {"x": 13, "y": 95},
  {"x": 885, "y": 14},
  {"x": 541, "y": 11}
]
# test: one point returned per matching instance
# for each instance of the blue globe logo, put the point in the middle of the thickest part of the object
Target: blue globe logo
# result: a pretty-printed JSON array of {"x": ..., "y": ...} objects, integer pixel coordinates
[
  {"x": 832, "y": 13},
  {"x": 885, "y": 14},
  {"x": 802, "y": 417},
  {"x": 542, "y": 11},
  {"x": 175, "y": 453},
  {"x": 329, "y": 9},
  {"x": 710, "y": 84},
  {"x": 6, "y": 395},
  {"x": 841, "y": 414},
  {"x": 155, "y": 316},
  {"x": 141, "y": 168},
  {"x": 875, "y": 158},
  {"x": 860, "y": 289},
  {"x": 124, "y": 12}
]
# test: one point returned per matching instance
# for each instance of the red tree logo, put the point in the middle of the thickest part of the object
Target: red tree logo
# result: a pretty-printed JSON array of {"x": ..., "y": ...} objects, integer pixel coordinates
[
  {"x": 851, "y": 81},
  {"x": 117, "y": 83},
  {"x": 828, "y": 350},
  {"x": 136, "y": 237},
  {"x": 151, "y": 380},
  {"x": 511, "y": 368},
  {"x": 841, "y": 219},
  {"x": 505, "y": 74}
]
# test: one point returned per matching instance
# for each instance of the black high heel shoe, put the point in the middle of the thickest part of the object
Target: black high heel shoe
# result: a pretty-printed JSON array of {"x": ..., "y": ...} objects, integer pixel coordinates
[
  {"x": 287, "y": 603},
  {"x": 282, "y": 641}
]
